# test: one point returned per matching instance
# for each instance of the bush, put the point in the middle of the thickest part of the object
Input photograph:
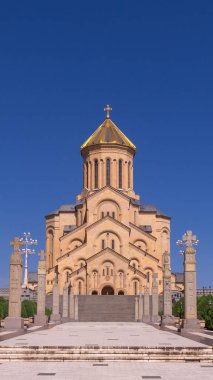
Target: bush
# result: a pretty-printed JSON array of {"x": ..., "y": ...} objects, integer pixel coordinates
[
  {"x": 3, "y": 308},
  {"x": 204, "y": 309},
  {"x": 178, "y": 308}
]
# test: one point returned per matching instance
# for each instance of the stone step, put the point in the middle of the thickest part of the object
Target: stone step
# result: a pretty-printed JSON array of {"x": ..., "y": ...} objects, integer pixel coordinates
[
  {"x": 98, "y": 353},
  {"x": 106, "y": 308}
]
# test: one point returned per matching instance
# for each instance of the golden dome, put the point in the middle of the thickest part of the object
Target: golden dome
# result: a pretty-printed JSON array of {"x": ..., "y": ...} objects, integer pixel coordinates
[{"x": 108, "y": 133}]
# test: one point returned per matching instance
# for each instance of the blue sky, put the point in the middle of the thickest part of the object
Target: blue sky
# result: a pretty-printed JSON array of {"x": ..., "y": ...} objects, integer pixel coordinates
[{"x": 61, "y": 63}]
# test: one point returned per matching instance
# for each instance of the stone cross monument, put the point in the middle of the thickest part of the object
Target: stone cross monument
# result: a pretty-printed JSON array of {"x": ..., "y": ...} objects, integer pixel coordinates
[
  {"x": 155, "y": 316},
  {"x": 40, "y": 318},
  {"x": 146, "y": 306},
  {"x": 55, "y": 316},
  {"x": 190, "y": 321},
  {"x": 14, "y": 320},
  {"x": 167, "y": 318}
]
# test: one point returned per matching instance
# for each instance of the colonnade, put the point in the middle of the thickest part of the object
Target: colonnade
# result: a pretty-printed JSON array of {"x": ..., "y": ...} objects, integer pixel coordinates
[{"x": 99, "y": 173}]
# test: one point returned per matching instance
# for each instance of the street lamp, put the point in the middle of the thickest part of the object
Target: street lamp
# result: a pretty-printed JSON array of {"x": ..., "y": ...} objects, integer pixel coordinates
[{"x": 28, "y": 241}]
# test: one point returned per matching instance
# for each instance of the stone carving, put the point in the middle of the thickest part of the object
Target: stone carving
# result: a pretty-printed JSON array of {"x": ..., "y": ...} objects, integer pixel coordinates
[
  {"x": 14, "y": 320},
  {"x": 40, "y": 318}
]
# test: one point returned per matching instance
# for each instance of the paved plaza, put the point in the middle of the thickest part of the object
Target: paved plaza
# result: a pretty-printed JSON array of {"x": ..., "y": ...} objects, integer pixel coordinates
[
  {"x": 105, "y": 371},
  {"x": 101, "y": 334}
]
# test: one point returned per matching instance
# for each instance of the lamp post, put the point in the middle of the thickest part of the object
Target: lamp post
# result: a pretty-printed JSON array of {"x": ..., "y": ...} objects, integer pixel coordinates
[{"x": 27, "y": 242}]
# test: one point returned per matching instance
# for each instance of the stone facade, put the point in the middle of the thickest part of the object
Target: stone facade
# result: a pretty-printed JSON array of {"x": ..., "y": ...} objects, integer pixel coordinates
[{"x": 108, "y": 242}]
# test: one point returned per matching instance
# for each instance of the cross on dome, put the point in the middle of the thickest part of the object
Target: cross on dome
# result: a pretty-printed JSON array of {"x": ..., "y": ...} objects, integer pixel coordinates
[{"x": 107, "y": 109}]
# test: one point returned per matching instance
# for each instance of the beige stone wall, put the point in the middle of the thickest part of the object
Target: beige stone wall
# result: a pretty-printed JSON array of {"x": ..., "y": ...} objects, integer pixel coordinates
[{"x": 107, "y": 247}]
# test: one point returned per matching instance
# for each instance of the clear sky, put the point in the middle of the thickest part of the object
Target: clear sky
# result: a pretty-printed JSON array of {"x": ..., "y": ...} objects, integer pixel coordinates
[{"x": 61, "y": 62}]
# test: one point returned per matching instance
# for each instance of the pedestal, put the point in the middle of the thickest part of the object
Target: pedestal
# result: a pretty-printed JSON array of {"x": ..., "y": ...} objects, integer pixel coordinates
[
  {"x": 14, "y": 323},
  {"x": 40, "y": 320},
  {"x": 190, "y": 325},
  {"x": 168, "y": 320}
]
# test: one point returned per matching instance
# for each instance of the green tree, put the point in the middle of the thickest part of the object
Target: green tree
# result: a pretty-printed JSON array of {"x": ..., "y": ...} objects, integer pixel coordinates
[{"x": 178, "y": 308}]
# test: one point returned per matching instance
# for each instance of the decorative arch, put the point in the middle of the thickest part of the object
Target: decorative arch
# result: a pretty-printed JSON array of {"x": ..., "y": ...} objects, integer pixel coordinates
[
  {"x": 74, "y": 243},
  {"x": 108, "y": 207},
  {"x": 142, "y": 244},
  {"x": 108, "y": 239}
]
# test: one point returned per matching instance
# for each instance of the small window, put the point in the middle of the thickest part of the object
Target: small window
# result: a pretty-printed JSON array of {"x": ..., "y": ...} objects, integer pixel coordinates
[
  {"x": 103, "y": 244},
  {"x": 102, "y": 214},
  {"x": 111, "y": 272},
  {"x": 120, "y": 174},
  {"x": 108, "y": 171},
  {"x": 113, "y": 215},
  {"x": 107, "y": 271},
  {"x": 103, "y": 272},
  {"x": 113, "y": 244},
  {"x": 107, "y": 213},
  {"x": 148, "y": 277},
  {"x": 96, "y": 174}
]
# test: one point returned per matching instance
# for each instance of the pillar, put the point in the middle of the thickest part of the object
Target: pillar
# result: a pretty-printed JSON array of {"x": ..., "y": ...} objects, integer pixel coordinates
[
  {"x": 140, "y": 307},
  {"x": 155, "y": 317},
  {"x": 136, "y": 309},
  {"x": 40, "y": 318},
  {"x": 55, "y": 316},
  {"x": 190, "y": 321},
  {"x": 72, "y": 306},
  {"x": 14, "y": 320},
  {"x": 76, "y": 308},
  {"x": 65, "y": 304},
  {"x": 146, "y": 308},
  {"x": 167, "y": 318}
]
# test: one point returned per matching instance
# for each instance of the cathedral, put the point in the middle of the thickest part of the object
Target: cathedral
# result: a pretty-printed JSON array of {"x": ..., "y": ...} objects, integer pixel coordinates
[{"x": 108, "y": 242}]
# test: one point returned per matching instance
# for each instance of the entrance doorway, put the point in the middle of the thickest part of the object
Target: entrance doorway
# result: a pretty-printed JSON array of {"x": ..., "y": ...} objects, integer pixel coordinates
[{"x": 107, "y": 291}]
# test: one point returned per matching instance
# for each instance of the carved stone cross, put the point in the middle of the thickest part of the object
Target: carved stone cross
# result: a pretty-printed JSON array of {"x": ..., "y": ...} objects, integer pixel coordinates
[
  {"x": 16, "y": 243},
  {"x": 42, "y": 255},
  {"x": 189, "y": 239}
]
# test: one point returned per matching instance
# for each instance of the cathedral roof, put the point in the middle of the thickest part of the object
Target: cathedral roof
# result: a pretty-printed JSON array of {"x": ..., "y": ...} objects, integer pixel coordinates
[{"x": 108, "y": 133}]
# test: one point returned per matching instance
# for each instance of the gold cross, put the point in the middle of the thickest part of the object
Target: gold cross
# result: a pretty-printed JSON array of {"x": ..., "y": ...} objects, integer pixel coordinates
[
  {"x": 16, "y": 243},
  {"x": 108, "y": 109},
  {"x": 42, "y": 255}
]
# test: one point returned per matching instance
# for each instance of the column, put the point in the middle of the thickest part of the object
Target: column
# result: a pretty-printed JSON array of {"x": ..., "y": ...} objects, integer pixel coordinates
[
  {"x": 65, "y": 304},
  {"x": 40, "y": 318},
  {"x": 76, "y": 308},
  {"x": 72, "y": 306},
  {"x": 136, "y": 309},
  {"x": 92, "y": 182},
  {"x": 14, "y": 320},
  {"x": 190, "y": 322},
  {"x": 167, "y": 318},
  {"x": 55, "y": 316},
  {"x": 146, "y": 309},
  {"x": 155, "y": 317},
  {"x": 140, "y": 311},
  {"x": 125, "y": 175}
]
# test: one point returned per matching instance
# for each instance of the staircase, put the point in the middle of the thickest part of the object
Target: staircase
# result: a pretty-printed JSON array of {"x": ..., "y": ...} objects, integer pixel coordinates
[{"x": 106, "y": 308}]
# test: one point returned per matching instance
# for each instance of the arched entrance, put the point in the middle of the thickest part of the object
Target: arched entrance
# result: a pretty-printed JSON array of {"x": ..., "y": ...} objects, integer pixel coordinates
[
  {"x": 121, "y": 293},
  {"x": 94, "y": 293},
  {"x": 107, "y": 290}
]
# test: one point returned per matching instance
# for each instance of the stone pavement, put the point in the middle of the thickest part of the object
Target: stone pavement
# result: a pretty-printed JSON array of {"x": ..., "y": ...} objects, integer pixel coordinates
[
  {"x": 105, "y": 371},
  {"x": 102, "y": 334}
]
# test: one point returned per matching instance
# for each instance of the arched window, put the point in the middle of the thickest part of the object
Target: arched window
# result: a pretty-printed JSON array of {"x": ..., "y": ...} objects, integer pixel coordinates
[
  {"x": 103, "y": 244},
  {"x": 120, "y": 174},
  {"x": 113, "y": 244},
  {"x": 148, "y": 277},
  {"x": 135, "y": 287},
  {"x": 129, "y": 174},
  {"x": 108, "y": 171},
  {"x": 79, "y": 287},
  {"x": 96, "y": 174},
  {"x": 87, "y": 175}
]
